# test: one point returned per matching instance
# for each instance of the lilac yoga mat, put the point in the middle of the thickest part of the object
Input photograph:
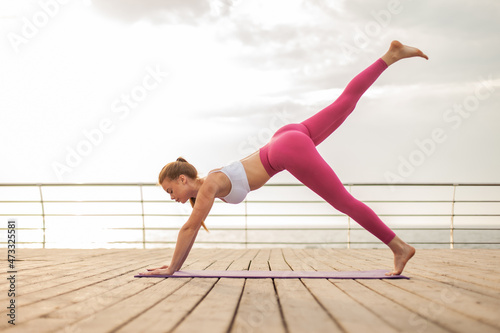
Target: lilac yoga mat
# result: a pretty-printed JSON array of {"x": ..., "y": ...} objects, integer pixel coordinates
[{"x": 376, "y": 274}]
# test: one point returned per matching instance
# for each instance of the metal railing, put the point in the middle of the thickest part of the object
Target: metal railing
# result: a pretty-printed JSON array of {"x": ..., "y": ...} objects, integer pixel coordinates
[{"x": 465, "y": 215}]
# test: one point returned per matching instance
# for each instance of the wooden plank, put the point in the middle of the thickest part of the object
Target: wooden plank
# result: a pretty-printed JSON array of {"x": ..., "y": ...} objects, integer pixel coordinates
[
  {"x": 350, "y": 314},
  {"x": 424, "y": 268},
  {"x": 50, "y": 314},
  {"x": 396, "y": 315},
  {"x": 446, "y": 292},
  {"x": 258, "y": 310},
  {"x": 471, "y": 308},
  {"x": 135, "y": 305},
  {"x": 358, "y": 317},
  {"x": 215, "y": 313},
  {"x": 243, "y": 263},
  {"x": 174, "y": 308},
  {"x": 57, "y": 272},
  {"x": 468, "y": 303},
  {"x": 39, "y": 260},
  {"x": 474, "y": 262},
  {"x": 337, "y": 260},
  {"x": 451, "y": 280},
  {"x": 434, "y": 310},
  {"x": 428, "y": 265},
  {"x": 261, "y": 261},
  {"x": 475, "y": 258},
  {"x": 217, "y": 309},
  {"x": 41, "y": 302},
  {"x": 477, "y": 307},
  {"x": 277, "y": 262},
  {"x": 301, "y": 310},
  {"x": 467, "y": 261}
]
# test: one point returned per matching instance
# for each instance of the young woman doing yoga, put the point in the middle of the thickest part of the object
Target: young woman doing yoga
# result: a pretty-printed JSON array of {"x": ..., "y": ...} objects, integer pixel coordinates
[{"x": 292, "y": 148}]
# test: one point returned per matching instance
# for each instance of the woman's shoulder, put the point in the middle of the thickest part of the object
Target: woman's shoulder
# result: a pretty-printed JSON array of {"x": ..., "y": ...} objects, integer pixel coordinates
[
  {"x": 216, "y": 182},
  {"x": 215, "y": 171},
  {"x": 214, "y": 179}
]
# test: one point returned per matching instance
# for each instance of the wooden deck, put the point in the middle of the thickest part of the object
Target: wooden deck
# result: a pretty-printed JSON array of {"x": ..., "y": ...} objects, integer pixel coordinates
[{"x": 72, "y": 291}]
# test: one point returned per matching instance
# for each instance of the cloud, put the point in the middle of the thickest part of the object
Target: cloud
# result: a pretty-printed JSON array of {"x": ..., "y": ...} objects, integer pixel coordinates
[
  {"x": 451, "y": 32},
  {"x": 155, "y": 11},
  {"x": 238, "y": 64}
]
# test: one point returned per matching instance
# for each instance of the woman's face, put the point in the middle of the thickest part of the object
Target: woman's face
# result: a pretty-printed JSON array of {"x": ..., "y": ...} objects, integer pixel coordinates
[{"x": 176, "y": 188}]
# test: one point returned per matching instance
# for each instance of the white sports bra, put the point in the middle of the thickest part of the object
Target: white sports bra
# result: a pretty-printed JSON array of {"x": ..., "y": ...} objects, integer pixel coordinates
[{"x": 239, "y": 182}]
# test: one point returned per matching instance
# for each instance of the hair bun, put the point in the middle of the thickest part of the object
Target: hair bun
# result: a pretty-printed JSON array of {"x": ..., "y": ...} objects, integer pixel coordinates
[{"x": 180, "y": 159}]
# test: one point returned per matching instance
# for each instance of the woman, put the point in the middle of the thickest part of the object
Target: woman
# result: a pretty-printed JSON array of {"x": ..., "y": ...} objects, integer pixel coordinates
[{"x": 292, "y": 148}]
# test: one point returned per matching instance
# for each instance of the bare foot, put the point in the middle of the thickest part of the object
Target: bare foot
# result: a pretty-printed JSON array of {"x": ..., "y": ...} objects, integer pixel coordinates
[
  {"x": 398, "y": 51},
  {"x": 402, "y": 254}
]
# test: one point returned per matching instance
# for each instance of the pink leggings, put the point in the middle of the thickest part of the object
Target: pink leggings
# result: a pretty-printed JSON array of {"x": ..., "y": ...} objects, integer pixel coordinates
[{"x": 293, "y": 148}]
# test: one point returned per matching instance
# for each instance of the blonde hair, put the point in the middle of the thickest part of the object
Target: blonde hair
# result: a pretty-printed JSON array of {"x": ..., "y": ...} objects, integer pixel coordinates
[{"x": 173, "y": 170}]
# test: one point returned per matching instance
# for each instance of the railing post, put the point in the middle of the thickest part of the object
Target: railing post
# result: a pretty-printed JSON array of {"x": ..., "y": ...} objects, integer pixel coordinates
[
  {"x": 246, "y": 225},
  {"x": 43, "y": 215},
  {"x": 349, "y": 226},
  {"x": 452, "y": 241},
  {"x": 143, "y": 222}
]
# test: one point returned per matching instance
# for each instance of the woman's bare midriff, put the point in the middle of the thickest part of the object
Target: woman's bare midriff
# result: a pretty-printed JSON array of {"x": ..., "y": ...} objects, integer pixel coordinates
[{"x": 256, "y": 174}]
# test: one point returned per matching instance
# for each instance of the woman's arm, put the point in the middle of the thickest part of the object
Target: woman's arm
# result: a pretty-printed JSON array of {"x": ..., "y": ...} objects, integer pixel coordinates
[{"x": 187, "y": 234}]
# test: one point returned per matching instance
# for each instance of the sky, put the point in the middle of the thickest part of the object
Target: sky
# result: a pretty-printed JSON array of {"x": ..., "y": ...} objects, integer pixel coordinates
[{"x": 112, "y": 90}]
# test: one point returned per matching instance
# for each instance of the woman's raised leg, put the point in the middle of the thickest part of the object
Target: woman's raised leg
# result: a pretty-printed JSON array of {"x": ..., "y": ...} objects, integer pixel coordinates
[{"x": 326, "y": 121}]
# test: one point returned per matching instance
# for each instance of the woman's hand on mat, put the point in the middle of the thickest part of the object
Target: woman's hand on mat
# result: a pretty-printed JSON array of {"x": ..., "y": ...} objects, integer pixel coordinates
[
  {"x": 154, "y": 269},
  {"x": 158, "y": 271}
]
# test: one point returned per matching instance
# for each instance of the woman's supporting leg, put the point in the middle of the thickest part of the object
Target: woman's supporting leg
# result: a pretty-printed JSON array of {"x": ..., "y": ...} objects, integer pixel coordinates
[
  {"x": 402, "y": 253},
  {"x": 295, "y": 151}
]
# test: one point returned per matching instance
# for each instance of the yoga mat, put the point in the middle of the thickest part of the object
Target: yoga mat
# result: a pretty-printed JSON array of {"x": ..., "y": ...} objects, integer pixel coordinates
[{"x": 375, "y": 274}]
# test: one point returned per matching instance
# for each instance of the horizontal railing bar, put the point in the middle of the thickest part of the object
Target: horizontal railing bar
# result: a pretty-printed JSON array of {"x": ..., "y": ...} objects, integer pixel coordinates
[
  {"x": 186, "y": 215},
  {"x": 374, "y": 201},
  {"x": 249, "y": 201},
  {"x": 285, "y": 229},
  {"x": 269, "y": 184},
  {"x": 268, "y": 243},
  {"x": 253, "y": 215},
  {"x": 309, "y": 228},
  {"x": 243, "y": 242},
  {"x": 290, "y": 243},
  {"x": 320, "y": 228}
]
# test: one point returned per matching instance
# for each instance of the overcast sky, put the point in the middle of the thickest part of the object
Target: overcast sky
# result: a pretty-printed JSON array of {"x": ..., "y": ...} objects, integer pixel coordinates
[{"x": 112, "y": 90}]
